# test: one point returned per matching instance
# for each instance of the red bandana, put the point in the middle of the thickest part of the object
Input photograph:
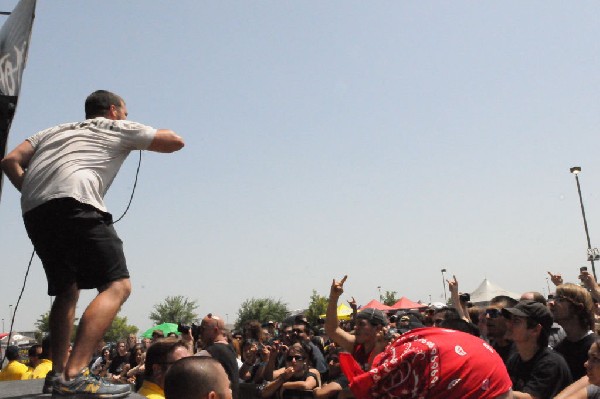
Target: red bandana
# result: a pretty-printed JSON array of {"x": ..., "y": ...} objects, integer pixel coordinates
[{"x": 431, "y": 363}]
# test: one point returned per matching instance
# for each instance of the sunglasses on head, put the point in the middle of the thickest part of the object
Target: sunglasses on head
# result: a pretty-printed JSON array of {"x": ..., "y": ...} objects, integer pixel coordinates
[
  {"x": 294, "y": 357},
  {"x": 493, "y": 313}
]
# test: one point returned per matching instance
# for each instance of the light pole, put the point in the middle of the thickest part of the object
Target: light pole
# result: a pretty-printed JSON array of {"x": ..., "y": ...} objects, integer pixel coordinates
[
  {"x": 592, "y": 253},
  {"x": 444, "y": 285},
  {"x": 3, "y": 325},
  {"x": 380, "y": 297}
]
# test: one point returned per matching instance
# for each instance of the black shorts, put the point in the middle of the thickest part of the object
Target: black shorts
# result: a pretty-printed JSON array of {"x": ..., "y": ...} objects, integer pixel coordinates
[{"x": 76, "y": 243}]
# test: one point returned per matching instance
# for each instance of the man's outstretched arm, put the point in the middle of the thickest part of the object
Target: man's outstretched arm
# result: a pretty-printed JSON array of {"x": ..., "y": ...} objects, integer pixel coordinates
[
  {"x": 166, "y": 140},
  {"x": 15, "y": 163}
]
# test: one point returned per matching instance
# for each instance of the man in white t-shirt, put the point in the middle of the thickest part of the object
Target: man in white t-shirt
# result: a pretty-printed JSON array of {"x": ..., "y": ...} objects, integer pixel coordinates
[{"x": 63, "y": 174}]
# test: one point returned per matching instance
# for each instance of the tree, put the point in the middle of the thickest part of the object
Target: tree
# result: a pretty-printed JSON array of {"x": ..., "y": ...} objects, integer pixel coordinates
[
  {"x": 316, "y": 307},
  {"x": 43, "y": 323},
  {"x": 174, "y": 310},
  {"x": 261, "y": 309},
  {"x": 119, "y": 329},
  {"x": 43, "y": 326},
  {"x": 390, "y": 298}
]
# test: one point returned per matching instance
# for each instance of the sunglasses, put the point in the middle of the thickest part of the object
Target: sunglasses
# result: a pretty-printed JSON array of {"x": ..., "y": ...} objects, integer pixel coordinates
[
  {"x": 493, "y": 313},
  {"x": 297, "y": 358}
]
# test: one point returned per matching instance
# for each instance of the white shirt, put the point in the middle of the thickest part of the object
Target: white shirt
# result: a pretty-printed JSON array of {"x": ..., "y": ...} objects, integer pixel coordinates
[{"x": 80, "y": 160}]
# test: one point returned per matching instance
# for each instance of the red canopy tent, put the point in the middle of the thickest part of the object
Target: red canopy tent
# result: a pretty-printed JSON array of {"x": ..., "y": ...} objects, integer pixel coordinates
[
  {"x": 376, "y": 305},
  {"x": 405, "y": 303}
]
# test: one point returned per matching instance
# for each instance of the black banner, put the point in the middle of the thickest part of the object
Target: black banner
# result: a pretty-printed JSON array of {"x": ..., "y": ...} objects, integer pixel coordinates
[{"x": 14, "y": 43}]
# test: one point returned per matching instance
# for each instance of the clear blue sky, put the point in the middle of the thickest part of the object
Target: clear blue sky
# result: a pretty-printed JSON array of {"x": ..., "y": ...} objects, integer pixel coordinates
[{"x": 383, "y": 140}]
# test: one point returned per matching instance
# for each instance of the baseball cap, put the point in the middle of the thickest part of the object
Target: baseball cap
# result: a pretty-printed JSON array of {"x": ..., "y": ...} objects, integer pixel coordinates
[
  {"x": 375, "y": 316},
  {"x": 533, "y": 310}
]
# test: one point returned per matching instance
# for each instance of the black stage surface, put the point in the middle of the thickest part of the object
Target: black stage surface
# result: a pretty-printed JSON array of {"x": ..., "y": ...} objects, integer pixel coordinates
[{"x": 31, "y": 389}]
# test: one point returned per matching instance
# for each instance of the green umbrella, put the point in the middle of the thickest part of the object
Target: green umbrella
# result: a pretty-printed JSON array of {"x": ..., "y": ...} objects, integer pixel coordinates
[{"x": 166, "y": 328}]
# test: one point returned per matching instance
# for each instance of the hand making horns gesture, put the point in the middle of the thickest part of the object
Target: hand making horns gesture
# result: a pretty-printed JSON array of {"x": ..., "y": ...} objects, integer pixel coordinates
[{"x": 337, "y": 287}]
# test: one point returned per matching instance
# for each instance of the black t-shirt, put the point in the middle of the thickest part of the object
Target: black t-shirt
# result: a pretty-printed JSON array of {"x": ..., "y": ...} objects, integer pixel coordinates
[
  {"x": 226, "y": 355},
  {"x": 576, "y": 354},
  {"x": 117, "y": 363},
  {"x": 504, "y": 351},
  {"x": 543, "y": 376}
]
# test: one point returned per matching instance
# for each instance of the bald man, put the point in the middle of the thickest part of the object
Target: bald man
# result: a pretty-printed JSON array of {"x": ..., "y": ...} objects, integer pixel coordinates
[
  {"x": 197, "y": 378},
  {"x": 216, "y": 344}
]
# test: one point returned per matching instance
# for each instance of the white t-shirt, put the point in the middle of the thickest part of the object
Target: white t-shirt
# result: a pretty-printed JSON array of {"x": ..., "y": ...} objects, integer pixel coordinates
[{"x": 80, "y": 160}]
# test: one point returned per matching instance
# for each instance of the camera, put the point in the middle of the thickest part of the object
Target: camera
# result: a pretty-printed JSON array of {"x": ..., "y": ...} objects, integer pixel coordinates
[
  {"x": 583, "y": 269},
  {"x": 466, "y": 297},
  {"x": 182, "y": 328}
]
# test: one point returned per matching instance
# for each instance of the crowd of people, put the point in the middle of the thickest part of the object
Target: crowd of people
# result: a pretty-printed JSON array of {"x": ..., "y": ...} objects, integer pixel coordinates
[
  {"x": 528, "y": 347},
  {"x": 532, "y": 347}
]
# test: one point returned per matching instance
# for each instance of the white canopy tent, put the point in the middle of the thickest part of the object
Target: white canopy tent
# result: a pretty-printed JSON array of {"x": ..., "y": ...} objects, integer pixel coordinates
[{"x": 487, "y": 290}]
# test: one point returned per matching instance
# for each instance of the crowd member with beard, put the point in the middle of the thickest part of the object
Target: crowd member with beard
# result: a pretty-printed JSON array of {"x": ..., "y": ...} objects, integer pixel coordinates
[
  {"x": 535, "y": 370},
  {"x": 367, "y": 340},
  {"x": 496, "y": 326},
  {"x": 573, "y": 308}
]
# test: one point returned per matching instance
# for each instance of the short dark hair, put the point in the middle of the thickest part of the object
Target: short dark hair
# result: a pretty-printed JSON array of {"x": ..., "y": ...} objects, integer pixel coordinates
[
  {"x": 449, "y": 313},
  {"x": 32, "y": 352},
  {"x": 505, "y": 300},
  {"x": 98, "y": 103},
  {"x": 158, "y": 353}
]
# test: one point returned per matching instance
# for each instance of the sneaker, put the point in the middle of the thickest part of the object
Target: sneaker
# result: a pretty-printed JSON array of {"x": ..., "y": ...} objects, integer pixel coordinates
[
  {"x": 87, "y": 386},
  {"x": 49, "y": 381}
]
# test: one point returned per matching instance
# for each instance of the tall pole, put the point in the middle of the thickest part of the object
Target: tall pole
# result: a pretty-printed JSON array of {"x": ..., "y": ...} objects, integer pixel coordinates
[
  {"x": 575, "y": 170},
  {"x": 444, "y": 285}
]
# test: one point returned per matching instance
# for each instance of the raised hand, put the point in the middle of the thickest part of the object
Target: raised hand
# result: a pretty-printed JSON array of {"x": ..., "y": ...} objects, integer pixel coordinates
[
  {"x": 352, "y": 303},
  {"x": 556, "y": 278},
  {"x": 337, "y": 287},
  {"x": 453, "y": 285}
]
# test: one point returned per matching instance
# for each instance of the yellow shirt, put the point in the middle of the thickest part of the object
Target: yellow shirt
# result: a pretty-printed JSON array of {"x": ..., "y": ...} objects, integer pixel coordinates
[
  {"x": 151, "y": 390},
  {"x": 27, "y": 375},
  {"x": 14, "y": 370},
  {"x": 42, "y": 369}
]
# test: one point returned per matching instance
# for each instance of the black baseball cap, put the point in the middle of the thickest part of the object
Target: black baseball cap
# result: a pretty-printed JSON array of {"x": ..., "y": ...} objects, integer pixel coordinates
[
  {"x": 375, "y": 316},
  {"x": 533, "y": 310}
]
